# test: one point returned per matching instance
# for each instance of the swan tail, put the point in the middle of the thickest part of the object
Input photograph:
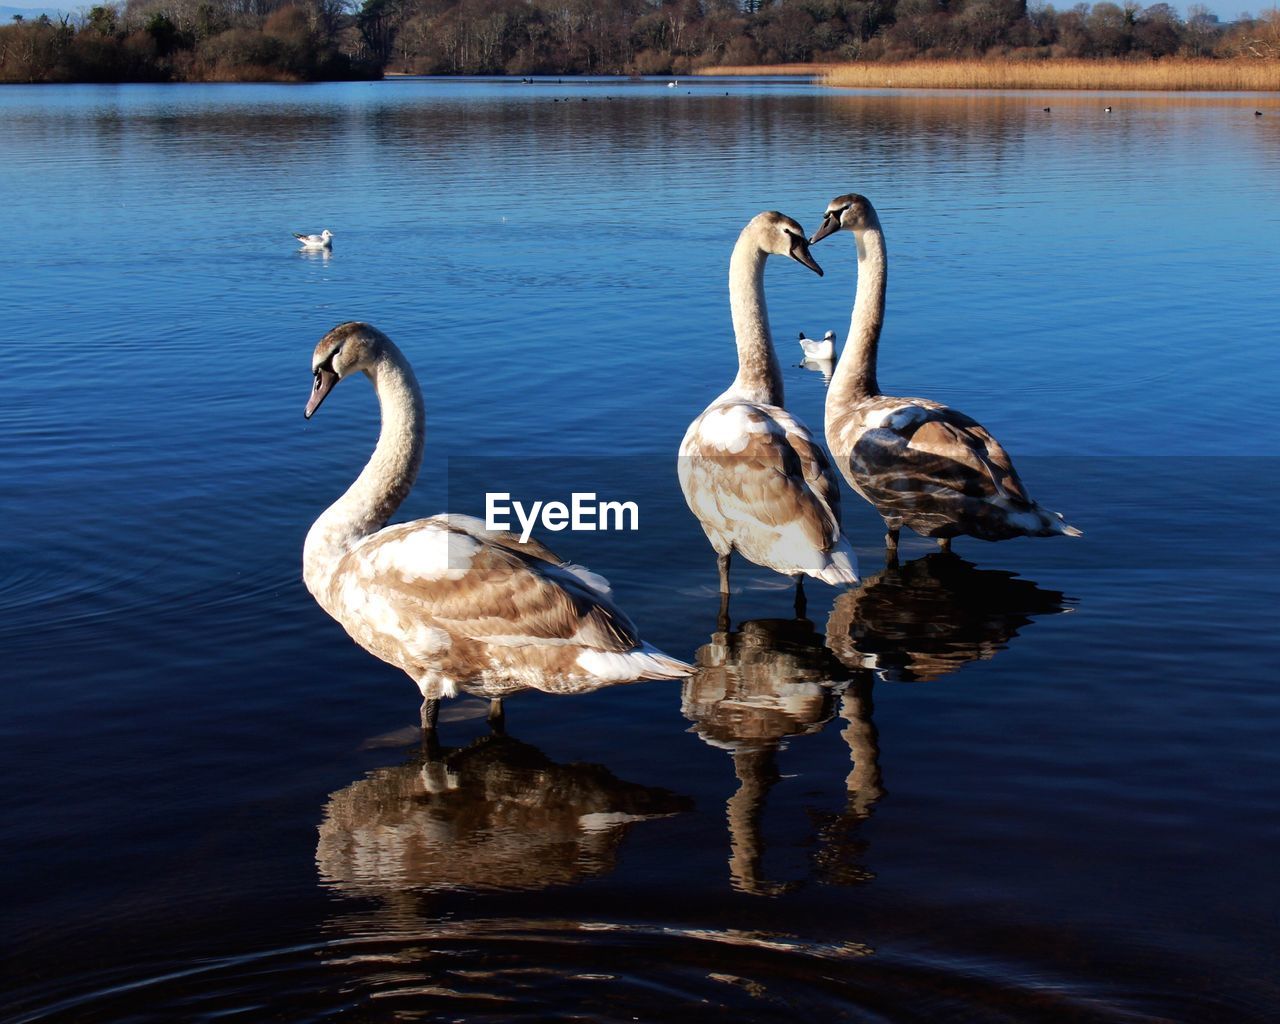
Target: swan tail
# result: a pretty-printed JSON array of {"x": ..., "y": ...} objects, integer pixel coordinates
[
  {"x": 1059, "y": 526},
  {"x": 842, "y": 564},
  {"x": 643, "y": 662}
]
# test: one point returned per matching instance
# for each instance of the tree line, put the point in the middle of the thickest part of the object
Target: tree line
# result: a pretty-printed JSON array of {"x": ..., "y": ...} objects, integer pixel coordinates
[{"x": 218, "y": 40}]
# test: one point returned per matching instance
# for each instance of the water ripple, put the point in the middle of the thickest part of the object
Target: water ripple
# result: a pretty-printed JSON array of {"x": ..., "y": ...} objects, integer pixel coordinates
[{"x": 512, "y": 969}]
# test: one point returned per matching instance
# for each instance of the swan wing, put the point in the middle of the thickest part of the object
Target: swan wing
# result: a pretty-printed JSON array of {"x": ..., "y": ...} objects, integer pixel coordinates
[
  {"x": 460, "y": 579},
  {"x": 753, "y": 469},
  {"x": 535, "y": 549},
  {"x": 980, "y": 465},
  {"x": 815, "y": 467},
  {"x": 911, "y": 445}
]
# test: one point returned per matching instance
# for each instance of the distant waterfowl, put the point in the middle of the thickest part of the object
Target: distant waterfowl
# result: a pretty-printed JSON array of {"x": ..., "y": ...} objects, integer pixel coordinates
[
  {"x": 918, "y": 462},
  {"x": 672, "y": 85},
  {"x": 824, "y": 349},
  {"x": 324, "y": 240},
  {"x": 455, "y": 606},
  {"x": 1107, "y": 109},
  {"x": 1046, "y": 110},
  {"x": 1257, "y": 113},
  {"x": 750, "y": 471}
]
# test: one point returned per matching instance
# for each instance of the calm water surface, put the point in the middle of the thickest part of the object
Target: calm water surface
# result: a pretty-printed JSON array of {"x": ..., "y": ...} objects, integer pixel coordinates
[{"x": 1034, "y": 782}]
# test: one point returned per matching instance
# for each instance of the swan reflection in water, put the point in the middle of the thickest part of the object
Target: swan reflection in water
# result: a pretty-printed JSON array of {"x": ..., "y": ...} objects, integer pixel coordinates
[
  {"x": 773, "y": 679},
  {"x": 496, "y": 814},
  {"x": 753, "y": 688},
  {"x": 926, "y": 618}
]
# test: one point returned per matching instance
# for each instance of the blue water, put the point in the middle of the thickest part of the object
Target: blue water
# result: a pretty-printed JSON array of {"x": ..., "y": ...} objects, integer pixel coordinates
[{"x": 1041, "y": 787}]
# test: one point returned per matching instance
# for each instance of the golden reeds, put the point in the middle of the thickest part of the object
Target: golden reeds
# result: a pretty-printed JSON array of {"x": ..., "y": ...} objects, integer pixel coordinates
[
  {"x": 1170, "y": 75},
  {"x": 1161, "y": 75}
]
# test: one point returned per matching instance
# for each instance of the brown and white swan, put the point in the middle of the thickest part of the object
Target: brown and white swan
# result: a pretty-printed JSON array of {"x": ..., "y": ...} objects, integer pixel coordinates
[
  {"x": 455, "y": 606},
  {"x": 751, "y": 472},
  {"x": 919, "y": 462}
]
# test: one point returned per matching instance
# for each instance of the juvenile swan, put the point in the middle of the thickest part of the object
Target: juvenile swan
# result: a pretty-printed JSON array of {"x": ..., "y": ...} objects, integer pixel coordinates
[
  {"x": 454, "y": 605},
  {"x": 918, "y": 462},
  {"x": 751, "y": 472}
]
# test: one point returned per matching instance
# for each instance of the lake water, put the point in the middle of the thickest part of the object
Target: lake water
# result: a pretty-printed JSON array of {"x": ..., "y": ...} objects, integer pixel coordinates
[{"x": 1037, "y": 782}]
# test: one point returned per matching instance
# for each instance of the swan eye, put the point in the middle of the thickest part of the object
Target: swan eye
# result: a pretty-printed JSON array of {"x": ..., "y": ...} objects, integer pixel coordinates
[{"x": 319, "y": 378}]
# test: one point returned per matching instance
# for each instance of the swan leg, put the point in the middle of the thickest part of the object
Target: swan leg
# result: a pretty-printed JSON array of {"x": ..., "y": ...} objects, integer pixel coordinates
[
  {"x": 944, "y": 544},
  {"x": 722, "y": 562},
  {"x": 891, "y": 540},
  {"x": 497, "y": 716},
  {"x": 722, "y": 619},
  {"x": 429, "y": 713},
  {"x": 801, "y": 603}
]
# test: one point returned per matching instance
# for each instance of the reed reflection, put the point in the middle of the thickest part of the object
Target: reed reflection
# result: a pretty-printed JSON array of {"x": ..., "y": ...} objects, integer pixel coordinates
[
  {"x": 496, "y": 814},
  {"x": 928, "y": 617},
  {"x": 754, "y": 687}
]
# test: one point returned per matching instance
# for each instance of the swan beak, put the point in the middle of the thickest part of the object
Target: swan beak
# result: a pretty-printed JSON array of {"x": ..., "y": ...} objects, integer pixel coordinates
[
  {"x": 325, "y": 380},
  {"x": 830, "y": 225},
  {"x": 800, "y": 253}
]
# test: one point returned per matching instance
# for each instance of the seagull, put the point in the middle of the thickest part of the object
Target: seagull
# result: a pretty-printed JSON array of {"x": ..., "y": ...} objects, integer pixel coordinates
[
  {"x": 324, "y": 240},
  {"x": 814, "y": 349}
]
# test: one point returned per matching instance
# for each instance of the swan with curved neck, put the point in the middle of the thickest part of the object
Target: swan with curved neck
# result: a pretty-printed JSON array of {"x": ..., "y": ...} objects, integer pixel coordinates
[
  {"x": 454, "y": 605},
  {"x": 751, "y": 472},
  {"x": 919, "y": 462}
]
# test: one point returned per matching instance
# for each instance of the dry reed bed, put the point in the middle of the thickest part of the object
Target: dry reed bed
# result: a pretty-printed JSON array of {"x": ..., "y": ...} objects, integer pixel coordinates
[{"x": 1161, "y": 76}]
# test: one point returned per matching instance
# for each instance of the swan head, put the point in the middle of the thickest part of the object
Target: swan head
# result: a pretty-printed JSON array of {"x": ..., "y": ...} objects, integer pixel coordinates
[
  {"x": 348, "y": 348},
  {"x": 779, "y": 235},
  {"x": 851, "y": 212}
]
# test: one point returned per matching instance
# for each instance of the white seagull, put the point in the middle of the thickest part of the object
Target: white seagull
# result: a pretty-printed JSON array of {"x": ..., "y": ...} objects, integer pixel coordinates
[
  {"x": 814, "y": 349},
  {"x": 324, "y": 240}
]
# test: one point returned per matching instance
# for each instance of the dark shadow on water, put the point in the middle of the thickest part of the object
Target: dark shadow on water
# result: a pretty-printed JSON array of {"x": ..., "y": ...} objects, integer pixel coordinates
[
  {"x": 773, "y": 679},
  {"x": 496, "y": 814},
  {"x": 769, "y": 680},
  {"x": 928, "y": 617}
]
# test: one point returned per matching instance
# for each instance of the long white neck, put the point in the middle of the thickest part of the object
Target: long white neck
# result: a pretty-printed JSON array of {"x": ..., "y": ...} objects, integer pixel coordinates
[
  {"x": 759, "y": 377},
  {"x": 385, "y": 480},
  {"x": 855, "y": 376}
]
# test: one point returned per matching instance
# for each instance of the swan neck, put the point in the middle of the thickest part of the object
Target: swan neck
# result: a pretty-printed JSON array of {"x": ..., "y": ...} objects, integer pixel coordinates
[
  {"x": 385, "y": 480},
  {"x": 855, "y": 376},
  {"x": 759, "y": 376}
]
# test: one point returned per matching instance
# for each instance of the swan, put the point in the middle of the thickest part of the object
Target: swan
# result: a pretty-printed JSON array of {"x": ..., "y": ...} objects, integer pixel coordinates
[
  {"x": 452, "y": 604},
  {"x": 750, "y": 471},
  {"x": 918, "y": 462},
  {"x": 324, "y": 240},
  {"x": 814, "y": 349}
]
